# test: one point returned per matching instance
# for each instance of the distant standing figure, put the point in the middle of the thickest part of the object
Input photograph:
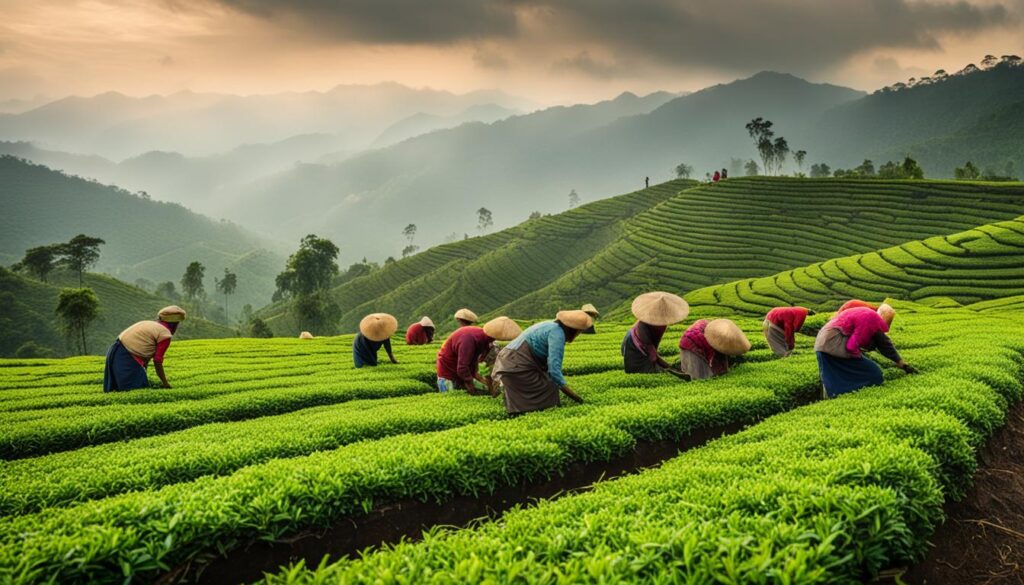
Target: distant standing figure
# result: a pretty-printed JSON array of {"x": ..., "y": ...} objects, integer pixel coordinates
[
  {"x": 465, "y": 349},
  {"x": 420, "y": 333},
  {"x": 464, "y": 317},
  {"x": 725, "y": 174},
  {"x": 705, "y": 348},
  {"x": 647, "y": 182},
  {"x": 530, "y": 368},
  {"x": 840, "y": 344},
  {"x": 375, "y": 331},
  {"x": 654, "y": 311},
  {"x": 780, "y": 327},
  {"x": 594, "y": 313},
  {"x": 716, "y": 177},
  {"x": 127, "y": 358}
]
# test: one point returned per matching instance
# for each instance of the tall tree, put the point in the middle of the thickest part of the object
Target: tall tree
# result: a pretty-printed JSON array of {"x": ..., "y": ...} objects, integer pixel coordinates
[
  {"x": 799, "y": 157},
  {"x": 751, "y": 168},
  {"x": 192, "y": 281},
  {"x": 40, "y": 261},
  {"x": 80, "y": 254},
  {"x": 484, "y": 219},
  {"x": 77, "y": 308},
  {"x": 409, "y": 250},
  {"x": 780, "y": 150},
  {"x": 574, "y": 199},
  {"x": 820, "y": 170},
  {"x": 309, "y": 269},
  {"x": 166, "y": 290},
  {"x": 226, "y": 286},
  {"x": 410, "y": 232},
  {"x": 760, "y": 130},
  {"x": 683, "y": 171}
]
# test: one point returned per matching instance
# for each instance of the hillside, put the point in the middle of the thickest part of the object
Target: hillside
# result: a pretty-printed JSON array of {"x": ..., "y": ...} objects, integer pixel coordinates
[
  {"x": 29, "y": 315},
  {"x": 490, "y": 271},
  {"x": 144, "y": 238},
  {"x": 683, "y": 241},
  {"x": 981, "y": 264}
]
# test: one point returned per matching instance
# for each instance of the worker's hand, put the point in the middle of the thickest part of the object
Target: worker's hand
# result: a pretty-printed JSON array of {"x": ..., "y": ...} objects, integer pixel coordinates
[
  {"x": 575, "y": 397},
  {"x": 908, "y": 368},
  {"x": 165, "y": 385}
]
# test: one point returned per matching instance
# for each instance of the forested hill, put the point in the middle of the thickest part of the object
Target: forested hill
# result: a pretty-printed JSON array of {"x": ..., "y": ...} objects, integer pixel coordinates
[
  {"x": 144, "y": 239},
  {"x": 669, "y": 237},
  {"x": 29, "y": 315}
]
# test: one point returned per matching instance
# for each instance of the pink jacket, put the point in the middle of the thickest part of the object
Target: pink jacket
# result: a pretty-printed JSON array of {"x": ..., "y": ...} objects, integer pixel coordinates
[{"x": 860, "y": 324}]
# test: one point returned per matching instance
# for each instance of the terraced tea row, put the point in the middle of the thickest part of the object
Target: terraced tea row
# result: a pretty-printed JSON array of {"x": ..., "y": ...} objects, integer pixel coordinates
[
  {"x": 833, "y": 492},
  {"x": 977, "y": 265}
]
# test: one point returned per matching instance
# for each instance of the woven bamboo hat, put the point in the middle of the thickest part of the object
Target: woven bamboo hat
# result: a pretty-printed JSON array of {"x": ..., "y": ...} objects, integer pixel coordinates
[
  {"x": 726, "y": 337},
  {"x": 502, "y": 329},
  {"x": 426, "y": 322},
  {"x": 590, "y": 310},
  {"x": 660, "y": 308},
  {"x": 171, "y": 314},
  {"x": 378, "y": 326},
  {"x": 466, "y": 315},
  {"x": 887, "y": 313},
  {"x": 305, "y": 335},
  {"x": 575, "y": 319}
]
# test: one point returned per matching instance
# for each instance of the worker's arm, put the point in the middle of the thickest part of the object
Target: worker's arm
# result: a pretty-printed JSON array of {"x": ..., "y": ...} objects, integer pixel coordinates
[
  {"x": 661, "y": 362},
  {"x": 568, "y": 392},
  {"x": 159, "y": 367},
  {"x": 387, "y": 348}
]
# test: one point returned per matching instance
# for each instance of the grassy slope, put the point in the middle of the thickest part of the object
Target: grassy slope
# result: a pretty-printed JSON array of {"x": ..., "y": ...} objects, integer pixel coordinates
[
  {"x": 974, "y": 266},
  {"x": 121, "y": 305},
  {"x": 488, "y": 272}
]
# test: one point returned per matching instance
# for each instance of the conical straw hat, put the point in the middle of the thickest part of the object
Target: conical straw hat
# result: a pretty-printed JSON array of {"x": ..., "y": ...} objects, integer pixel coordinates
[
  {"x": 660, "y": 308},
  {"x": 305, "y": 335},
  {"x": 426, "y": 322},
  {"x": 575, "y": 319},
  {"x": 502, "y": 329},
  {"x": 726, "y": 337},
  {"x": 887, "y": 313},
  {"x": 378, "y": 326},
  {"x": 466, "y": 315},
  {"x": 171, "y": 314},
  {"x": 590, "y": 310}
]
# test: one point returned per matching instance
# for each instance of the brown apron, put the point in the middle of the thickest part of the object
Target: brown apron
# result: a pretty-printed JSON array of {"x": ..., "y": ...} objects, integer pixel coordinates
[
  {"x": 694, "y": 365},
  {"x": 776, "y": 337},
  {"x": 525, "y": 378}
]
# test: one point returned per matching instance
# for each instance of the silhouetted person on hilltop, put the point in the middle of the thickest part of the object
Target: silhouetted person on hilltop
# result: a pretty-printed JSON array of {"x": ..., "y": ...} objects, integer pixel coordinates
[
  {"x": 647, "y": 182},
  {"x": 725, "y": 174}
]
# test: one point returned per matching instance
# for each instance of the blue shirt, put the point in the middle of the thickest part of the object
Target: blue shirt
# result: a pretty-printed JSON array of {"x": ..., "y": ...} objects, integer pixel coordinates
[
  {"x": 364, "y": 350},
  {"x": 547, "y": 342}
]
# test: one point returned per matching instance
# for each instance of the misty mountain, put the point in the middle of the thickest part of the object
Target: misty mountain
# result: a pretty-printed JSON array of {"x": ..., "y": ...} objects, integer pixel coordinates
[
  {"x": 423, "y": 123},
  {"x": 144, "y": 239},
  {"x": 197, "y": 124}
]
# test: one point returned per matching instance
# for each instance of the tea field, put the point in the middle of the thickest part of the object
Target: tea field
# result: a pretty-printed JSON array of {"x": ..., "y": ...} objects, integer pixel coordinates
[{"x": 266, "y": 441}]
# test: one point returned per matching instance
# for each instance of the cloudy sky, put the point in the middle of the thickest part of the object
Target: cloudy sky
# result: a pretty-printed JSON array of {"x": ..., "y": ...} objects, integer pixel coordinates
[{"x": 552, "y": 51}]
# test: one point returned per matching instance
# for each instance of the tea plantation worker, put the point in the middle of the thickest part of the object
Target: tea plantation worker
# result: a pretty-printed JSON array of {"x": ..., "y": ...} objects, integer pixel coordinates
[
  {"x": 705, "y": 348},
  {"x": 463, "y": 351},
  {"x": 716, "y": 177},
  {"x": 654, "y": 311},
  {"x": 127, "y": 358},
  {"x": 305, "y": 335},
  {"x": 530, "y": 368},
  {"x": 840, "y": 344},
  {"x": 593, "y": 312},
  {"x": 375, "y": 331},
  {"x": 780, "y": 327},
  {"x": 854, "y": 303},
  {"x": 464, "y": 317},
  {"x": 420, "y": 333},
  {"x": 725, "y": 174}
]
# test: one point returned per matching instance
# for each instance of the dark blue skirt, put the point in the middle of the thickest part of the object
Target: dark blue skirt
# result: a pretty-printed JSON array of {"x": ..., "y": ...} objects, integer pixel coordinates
[
  {"x": 122, "y": 372},
  {"x": 843, "y": 375}
]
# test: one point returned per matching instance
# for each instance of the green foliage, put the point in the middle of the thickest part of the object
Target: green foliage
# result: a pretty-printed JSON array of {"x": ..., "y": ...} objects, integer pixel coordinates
[
  {"x": 683, "y": 171},
  {"x": 79, "y": 254},
  {"x": 40, "y": 261},
  {"x": 192, "y": 281},
  {"x": 76, "y": 309},
  {"x": 968, "y": 172},
  {"x": 259, "y": 329},
  {"x": 820, "y": 171},
  {"x": 310, "y": 269},
  {"x": 32, "y": 350}
]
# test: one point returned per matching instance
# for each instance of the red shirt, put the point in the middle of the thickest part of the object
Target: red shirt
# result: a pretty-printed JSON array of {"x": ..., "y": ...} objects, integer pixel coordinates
[
  {"x": 462, "y": 353},
  {"x": 416, "y": 334},
  {"x": 693, "y": 340},
  {"x": 791, "y": 319},
  {"x": 856, "y": 303},
  {"x": 161, "y": 348}
]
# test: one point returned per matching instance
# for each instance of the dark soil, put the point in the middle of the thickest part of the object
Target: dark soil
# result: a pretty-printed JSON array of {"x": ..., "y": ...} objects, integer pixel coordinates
[
  {"x": 407, "y": 519},
  {"x": 982, "y": 540}
]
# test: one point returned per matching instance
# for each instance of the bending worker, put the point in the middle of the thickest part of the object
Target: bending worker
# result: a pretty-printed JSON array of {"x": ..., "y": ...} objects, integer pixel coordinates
[
  {"x": 854, "y": 303},
  {"x": 375, "y": 331},
  {"x": 464, "y": 318},
  {"x": 127, "y": 358},
  {"x": 593, "y": 312},
  {"x": 420, "y": 333},
  {"x": 459, "y": 360},
  {"x": 530, "y": 368},
  {"x": 654, "y": 311},
  {"x": 840, "y": 344},
  {"x": 705, "y": 348},
  {"x": 780, "y": 327}
]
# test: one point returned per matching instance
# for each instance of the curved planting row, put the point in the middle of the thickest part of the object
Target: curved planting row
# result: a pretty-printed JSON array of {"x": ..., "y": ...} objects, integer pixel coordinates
[
  {"x": 976, "y": 265},
  {"x": 833, "y": 492}
]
